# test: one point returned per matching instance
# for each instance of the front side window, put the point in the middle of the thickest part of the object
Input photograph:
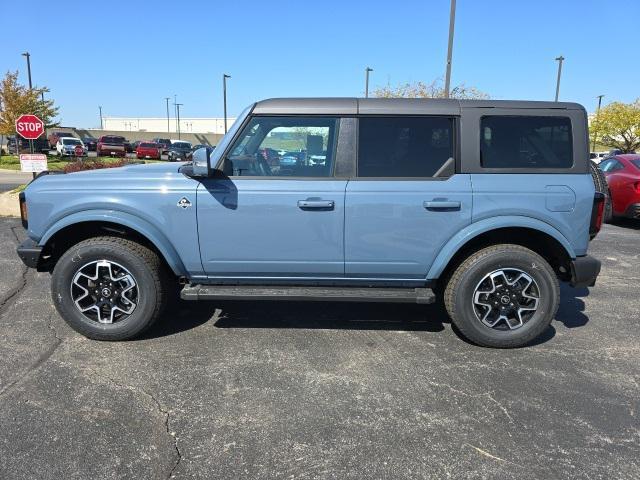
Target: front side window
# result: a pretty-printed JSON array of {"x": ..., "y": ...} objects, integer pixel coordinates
[
  {"x": 284, "y": 147},
  {"x": 404, "y": 146},
  {"x": 526, "y": 142}
]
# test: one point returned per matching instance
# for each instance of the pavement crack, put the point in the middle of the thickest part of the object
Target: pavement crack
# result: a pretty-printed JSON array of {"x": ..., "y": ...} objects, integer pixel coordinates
[{"x": 163, "y": 411}]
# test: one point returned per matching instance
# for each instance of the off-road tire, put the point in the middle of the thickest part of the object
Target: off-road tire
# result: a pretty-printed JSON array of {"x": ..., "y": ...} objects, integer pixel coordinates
[
  {"x": 459, "y": 291},
  {"x": 600, "y": 184},
  {"x": 153, "y": 282}
]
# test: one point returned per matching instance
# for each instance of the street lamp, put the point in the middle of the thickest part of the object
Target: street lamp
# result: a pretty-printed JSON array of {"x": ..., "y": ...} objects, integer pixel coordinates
[
  {"x": 559, "y": 59},
  {"x": 178, "y": 105},
  {"x": 452, "y": 22},
  {"x": 595, "y": 132},
  {"x": 28, "y": 56},
  {"x": 100, "y": 110},
  {"x": 224, "y": 98},
  {"x": 366, "y": 81},
  {"x": 167, "y": 99}
]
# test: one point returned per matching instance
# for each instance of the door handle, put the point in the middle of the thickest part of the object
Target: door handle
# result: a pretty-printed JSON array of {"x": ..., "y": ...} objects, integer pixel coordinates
[
  {"x": 316, "y": 204},
  {"x": 442, "y": 205}
]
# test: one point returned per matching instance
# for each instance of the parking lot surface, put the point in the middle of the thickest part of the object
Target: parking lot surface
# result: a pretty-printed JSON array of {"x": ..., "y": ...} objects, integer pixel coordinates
[{"x": 280, "y": 390}]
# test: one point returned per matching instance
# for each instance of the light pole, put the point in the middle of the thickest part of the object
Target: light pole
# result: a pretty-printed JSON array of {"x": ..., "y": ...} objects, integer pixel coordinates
[
  {"x": 178, "y": 105},
  {"x": 100, "y": 110},
  {"x": 452, "y": 23},
  {"x": 28, "y": 56},
  {"x": 224, "y": 98},
  {"x": 167, "y": 99},
  {"x": 366, "y": 81},
  {"x": 595, "y": 132},
  {"x": 559, "y": 59}
]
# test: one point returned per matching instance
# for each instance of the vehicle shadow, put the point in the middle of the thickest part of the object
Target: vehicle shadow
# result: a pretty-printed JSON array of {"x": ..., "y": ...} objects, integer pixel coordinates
[
  {"x": 626, "y": 223},
  {"x": 186, "y": 315}
]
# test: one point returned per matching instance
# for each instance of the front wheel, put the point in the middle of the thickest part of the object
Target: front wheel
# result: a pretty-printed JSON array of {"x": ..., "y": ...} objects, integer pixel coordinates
[
  {"x": 502, "y": 296},
  {"x": 109, "y": 288}
]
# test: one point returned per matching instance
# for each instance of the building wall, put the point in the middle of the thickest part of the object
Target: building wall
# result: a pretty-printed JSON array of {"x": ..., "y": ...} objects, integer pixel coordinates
[{"x": 159, "y": 124}]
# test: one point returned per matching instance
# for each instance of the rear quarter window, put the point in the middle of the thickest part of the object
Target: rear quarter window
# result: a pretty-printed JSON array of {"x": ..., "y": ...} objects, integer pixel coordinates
[{"x": 531, "y": 142}]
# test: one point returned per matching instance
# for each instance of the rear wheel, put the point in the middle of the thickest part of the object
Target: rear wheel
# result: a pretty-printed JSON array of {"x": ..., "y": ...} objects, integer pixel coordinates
[
  {"x": 109, "y": 288},
  {"x": 503, "y": 296}
]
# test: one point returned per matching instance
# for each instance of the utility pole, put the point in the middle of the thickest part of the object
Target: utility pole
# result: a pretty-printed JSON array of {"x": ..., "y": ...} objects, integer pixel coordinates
[
  {"x": 595, "y": 132},
  {"x": 175, "y": 109},
  {"x": 452, "y": 23},
  {"x": 559, "y": 59},
  {"x": 100, "y": 110},
  {"x": 366, "y": 81},
  {"x": 167, "y": 99},
  {"x": 224, "y": 97},
  {"x": 178, "y": 105}
]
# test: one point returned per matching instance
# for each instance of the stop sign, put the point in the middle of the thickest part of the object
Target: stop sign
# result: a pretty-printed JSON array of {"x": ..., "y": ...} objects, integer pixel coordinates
[{"x": 29, "y": 126}]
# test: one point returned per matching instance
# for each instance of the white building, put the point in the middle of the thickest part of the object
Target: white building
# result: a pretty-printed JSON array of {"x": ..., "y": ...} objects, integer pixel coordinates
[{"x": 159, "y": 124}]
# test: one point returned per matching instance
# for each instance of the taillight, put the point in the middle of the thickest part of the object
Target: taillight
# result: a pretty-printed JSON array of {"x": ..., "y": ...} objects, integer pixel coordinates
[
  {"x": 24, "y": 213},
  {"x": 636, "y": 187},
  {"x": 597, "y": 214}
]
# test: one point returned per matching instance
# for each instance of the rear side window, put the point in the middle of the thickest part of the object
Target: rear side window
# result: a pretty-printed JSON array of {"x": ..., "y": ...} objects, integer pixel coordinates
[
  {"x": 404, "y": 146},
  {"x": 526, "y": 142},
  {"x": 636, "y": 163}
]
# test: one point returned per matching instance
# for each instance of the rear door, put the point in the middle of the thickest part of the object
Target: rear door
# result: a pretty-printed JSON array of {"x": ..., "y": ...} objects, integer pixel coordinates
[
  {"x": 279, "y": 212},
  {"x": 406, "y": 200}
]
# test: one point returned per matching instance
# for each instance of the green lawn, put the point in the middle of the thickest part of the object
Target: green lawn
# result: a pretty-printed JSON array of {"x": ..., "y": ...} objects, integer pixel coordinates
[{"x": 12, "y": 162}]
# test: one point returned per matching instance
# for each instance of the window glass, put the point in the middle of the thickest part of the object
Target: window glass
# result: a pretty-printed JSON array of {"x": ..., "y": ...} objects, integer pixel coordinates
[
  {"x": 284, "y": 147},
  {"x": 636, "y": 162},
  {"x": 404, "y": 146},
  {"x": 526, "y": 142},
  {"x": 611, "y": 165}
]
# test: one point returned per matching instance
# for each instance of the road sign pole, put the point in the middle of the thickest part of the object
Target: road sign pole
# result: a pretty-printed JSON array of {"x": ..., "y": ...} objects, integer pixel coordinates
[{"x": 31, "y": 151}]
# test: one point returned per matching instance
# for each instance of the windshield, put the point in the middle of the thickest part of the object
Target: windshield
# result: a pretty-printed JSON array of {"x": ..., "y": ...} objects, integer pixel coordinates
[
  {"x": 182, "y": 145},
  {"x": 148, "y": 145},
  {"x": 70, "y": 141},
  {"x": 113, "y": 140},
  {"x": 226, "y": 140}
]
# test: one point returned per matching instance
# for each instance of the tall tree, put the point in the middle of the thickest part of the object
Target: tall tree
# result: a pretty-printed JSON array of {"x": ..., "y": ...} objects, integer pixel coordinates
[
  {"x": 16, "y": 99},
  {"x": 435, "y": 89},
  {"x": 618, "y": 126}
]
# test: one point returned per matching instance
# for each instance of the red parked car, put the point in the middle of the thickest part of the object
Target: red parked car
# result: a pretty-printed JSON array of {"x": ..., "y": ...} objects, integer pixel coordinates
[
  {"x": 149, "y": 150},
  {"x": 623, "y": 177},
  {"x": 111, "y": 146}
]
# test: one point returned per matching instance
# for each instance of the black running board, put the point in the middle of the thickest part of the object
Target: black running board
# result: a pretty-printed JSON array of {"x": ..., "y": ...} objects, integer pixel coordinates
[{"x": 308, "y": 294}]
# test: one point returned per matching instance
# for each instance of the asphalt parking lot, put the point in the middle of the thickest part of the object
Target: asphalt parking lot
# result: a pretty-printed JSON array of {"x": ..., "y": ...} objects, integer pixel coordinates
[{"x": 268, "y": 390}]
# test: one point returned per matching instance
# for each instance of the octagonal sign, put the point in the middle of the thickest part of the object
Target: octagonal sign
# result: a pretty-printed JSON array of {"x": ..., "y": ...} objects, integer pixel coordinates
[{"x": 29, "y": 126}]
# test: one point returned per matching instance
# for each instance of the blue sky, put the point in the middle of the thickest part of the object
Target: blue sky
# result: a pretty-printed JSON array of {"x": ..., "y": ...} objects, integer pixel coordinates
[{"x": 128, "y": 56}]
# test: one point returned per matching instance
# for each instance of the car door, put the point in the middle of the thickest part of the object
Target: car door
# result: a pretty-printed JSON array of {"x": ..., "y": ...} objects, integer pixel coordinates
[
  {"x": 406, "y": 200},
  {"x": 277, "y": 212}
]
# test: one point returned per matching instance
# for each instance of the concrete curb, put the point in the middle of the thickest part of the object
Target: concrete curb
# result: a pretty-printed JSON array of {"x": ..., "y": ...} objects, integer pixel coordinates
[{"x": 9, "y": 206}]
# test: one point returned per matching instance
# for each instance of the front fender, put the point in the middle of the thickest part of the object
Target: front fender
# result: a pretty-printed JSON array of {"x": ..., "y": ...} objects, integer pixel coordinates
[
  {"x": 473, "y": 230},
  {"x": 146, "y": 229}
]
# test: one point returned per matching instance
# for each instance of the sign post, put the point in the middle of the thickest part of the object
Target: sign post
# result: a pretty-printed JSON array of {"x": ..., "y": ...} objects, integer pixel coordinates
[{"x": 30, "y": 127}]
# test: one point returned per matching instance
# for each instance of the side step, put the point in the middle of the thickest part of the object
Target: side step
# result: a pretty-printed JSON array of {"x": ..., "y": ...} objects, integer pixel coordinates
[{"x": 309, "y": 294}]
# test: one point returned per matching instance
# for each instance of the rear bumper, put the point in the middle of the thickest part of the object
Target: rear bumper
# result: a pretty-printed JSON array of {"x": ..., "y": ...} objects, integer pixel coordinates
[
  {"x": 29, "y": 252},
  {"x": 584, "y": 271}
]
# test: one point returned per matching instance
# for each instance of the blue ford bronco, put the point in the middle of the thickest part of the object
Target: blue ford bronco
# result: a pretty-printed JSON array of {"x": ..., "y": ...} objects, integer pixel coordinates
[{"x": 486, "y": 204}]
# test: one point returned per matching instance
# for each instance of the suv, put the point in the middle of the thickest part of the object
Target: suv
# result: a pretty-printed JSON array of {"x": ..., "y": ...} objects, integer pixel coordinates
[
  {"x": 487, "y": 204},
  {"x": 164, "y": 142}
]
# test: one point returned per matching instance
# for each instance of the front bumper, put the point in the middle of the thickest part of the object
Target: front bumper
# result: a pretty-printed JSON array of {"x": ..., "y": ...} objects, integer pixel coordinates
[
  {"x": 29, "y": 252},
  {"x": 584, "y": 271}
]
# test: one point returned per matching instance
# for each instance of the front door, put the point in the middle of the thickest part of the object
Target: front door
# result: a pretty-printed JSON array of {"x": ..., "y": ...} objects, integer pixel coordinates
[
  {"x": 279, "y": 212},
  {"x": 407, "y": 200}
]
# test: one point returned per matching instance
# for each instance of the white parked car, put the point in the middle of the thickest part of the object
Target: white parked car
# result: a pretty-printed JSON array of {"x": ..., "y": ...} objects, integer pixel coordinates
[
  {"x": 599, "y": 156},
  {"x": 66, "y": 147}
]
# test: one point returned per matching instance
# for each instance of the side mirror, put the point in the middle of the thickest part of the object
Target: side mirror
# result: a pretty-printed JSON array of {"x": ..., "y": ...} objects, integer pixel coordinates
[{"x": 201, "y": 165}]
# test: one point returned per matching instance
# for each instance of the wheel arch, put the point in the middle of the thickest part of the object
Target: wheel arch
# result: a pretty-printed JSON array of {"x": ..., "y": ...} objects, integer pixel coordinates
[
  {"x": 74, "y": 228},
  {"x": 534, "y": 234}
]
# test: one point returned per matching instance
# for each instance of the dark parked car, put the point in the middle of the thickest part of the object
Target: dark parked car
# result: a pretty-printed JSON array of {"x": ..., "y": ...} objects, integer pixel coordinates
[
  {"x": 57, "y": 135},
  {"x": 90, "y": 143},
  {"x": 179, "y": 151},
  {"x": 40, "y": 145}
]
